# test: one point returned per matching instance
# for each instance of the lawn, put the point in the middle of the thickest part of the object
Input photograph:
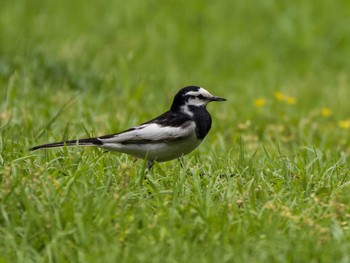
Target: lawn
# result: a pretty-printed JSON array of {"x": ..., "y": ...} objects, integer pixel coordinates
[{"x": 270, "y": 183}]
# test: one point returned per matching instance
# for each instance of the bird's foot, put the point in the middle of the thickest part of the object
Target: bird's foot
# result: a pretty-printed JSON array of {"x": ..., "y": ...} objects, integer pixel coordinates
[{"x": 149, "y": 165}]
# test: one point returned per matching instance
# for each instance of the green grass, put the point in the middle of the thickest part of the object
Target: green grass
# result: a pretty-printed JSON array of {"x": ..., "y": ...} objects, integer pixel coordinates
[{"x": 270, "y": 183}]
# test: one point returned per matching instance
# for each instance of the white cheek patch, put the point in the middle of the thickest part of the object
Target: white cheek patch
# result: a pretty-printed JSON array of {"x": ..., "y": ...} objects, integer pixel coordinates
[{"x": 196, "y": 102}]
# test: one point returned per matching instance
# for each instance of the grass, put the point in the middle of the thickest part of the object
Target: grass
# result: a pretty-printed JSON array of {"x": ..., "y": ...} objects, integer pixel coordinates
[{"x": 270, "y": 183}]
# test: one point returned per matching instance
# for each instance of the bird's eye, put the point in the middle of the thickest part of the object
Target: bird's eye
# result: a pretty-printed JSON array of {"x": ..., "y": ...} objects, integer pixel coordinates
[{"x": 201, "y": 97}]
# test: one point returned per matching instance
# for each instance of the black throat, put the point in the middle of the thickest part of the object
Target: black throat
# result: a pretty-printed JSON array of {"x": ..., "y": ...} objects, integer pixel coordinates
[{"x": 202, "y": 119}]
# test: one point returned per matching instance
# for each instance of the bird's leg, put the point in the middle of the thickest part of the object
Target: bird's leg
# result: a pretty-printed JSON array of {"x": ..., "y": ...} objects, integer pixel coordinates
[
  {"x": 183, "y": 165},
  {"x": 182, "y": 162},
  {"x": 149, "y": 165}
]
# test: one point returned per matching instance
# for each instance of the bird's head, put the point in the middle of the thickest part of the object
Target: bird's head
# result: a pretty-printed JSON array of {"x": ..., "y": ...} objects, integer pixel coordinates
[{"x": 193, "y": 96}]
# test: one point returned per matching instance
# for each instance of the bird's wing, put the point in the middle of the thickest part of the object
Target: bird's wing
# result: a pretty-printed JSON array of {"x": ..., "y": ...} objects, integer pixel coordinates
[{"x": 155, "y": 130}]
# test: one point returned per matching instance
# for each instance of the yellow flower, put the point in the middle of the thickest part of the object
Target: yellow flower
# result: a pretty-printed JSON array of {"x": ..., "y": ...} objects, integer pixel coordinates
[
  {"x": 326, "y": 112},
  {"x": 279, "y": 96},
  {"x": 290, "y": 100},
  {"x": 260, "y": 102},
  {"x": 344, "y": 124},
  {"x": 283, "y": 97}
]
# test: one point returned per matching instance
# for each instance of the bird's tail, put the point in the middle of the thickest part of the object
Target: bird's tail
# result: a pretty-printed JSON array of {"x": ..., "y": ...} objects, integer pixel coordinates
[{"x": 80, "y": 142}]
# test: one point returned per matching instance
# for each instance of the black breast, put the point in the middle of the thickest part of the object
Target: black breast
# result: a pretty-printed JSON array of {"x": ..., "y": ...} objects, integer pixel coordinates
[{"x": 202, "y": 119}]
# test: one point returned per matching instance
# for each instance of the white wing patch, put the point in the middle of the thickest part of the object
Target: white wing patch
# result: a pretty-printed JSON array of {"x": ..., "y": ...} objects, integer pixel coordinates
[{"x": 152, "y": 132}]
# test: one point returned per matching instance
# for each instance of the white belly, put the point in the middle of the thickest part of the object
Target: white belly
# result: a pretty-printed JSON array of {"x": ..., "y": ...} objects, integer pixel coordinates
[{"x": 160, "y": 151}]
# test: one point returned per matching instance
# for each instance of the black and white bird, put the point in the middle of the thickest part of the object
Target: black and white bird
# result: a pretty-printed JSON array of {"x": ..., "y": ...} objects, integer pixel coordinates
[{"x": 171, "y": 135}]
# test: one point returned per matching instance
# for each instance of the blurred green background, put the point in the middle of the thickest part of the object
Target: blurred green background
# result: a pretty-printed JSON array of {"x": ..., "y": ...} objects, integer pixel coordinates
[
  {"x": 228, "y": 46},
  {"x": 72, "y": 69},
  {"x": 137, "y": 54}
]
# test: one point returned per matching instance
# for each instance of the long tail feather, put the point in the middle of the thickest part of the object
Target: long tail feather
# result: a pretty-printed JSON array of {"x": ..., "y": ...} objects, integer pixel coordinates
[{"x": 81, "y": 142}]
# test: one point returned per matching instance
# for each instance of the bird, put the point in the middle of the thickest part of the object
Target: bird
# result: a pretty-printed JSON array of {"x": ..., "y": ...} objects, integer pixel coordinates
[{"x": 171, "y": 135}]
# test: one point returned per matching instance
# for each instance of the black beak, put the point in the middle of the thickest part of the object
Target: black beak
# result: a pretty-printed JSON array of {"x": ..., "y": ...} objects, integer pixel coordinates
[{"x": 214, "y": 98}]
